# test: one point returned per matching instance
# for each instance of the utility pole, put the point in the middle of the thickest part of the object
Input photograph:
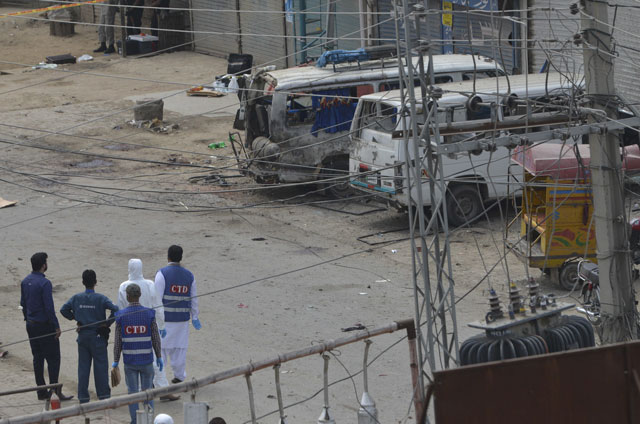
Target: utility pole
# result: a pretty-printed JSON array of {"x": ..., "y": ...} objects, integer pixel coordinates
[
  {"x": 433, "y": 285},
  {"x": 618, "y": 310}
]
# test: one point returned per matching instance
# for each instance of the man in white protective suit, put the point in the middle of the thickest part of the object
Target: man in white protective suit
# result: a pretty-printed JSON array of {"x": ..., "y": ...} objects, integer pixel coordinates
[
  {"x": 177, "y": 286},
  {"x": 149, "y": 299}
]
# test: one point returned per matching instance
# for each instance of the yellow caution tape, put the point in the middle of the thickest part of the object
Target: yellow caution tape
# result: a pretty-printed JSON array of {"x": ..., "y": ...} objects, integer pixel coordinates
[{"x": 45, "y": 9}]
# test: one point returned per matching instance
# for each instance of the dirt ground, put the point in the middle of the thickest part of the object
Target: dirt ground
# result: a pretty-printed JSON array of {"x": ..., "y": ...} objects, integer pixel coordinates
[{"x": 285, "y": 269}]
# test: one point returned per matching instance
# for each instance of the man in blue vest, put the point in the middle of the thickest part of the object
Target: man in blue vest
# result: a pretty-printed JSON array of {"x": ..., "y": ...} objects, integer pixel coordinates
[
  {"x": 179, "y": 297},
  {"x": 137, "y": 337},
  {"x": 89, "y": 310}
]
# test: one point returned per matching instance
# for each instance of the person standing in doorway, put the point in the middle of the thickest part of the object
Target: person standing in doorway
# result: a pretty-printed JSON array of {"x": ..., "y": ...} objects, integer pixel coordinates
[
  {"x": 158, "y": 14},
  {"x": 137, "y": 338},
  {"x": 134, "y": 16},
  {"x": 179, "y": 296},
  {"x": 89, "y": 310},
  {"x": 152, "y": 300},
  {"x": 106, "y": 29},
  {"x": 36, "y": 299}
]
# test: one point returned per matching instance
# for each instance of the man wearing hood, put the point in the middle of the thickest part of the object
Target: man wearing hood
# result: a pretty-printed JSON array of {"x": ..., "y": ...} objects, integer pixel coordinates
[{"x": 148, "y": 299}]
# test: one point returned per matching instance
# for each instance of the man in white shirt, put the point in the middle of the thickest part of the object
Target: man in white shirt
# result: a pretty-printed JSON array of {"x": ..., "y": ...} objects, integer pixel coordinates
[
  {"x": 148, "y": 299},
  {"x": 177, "y": 287}
]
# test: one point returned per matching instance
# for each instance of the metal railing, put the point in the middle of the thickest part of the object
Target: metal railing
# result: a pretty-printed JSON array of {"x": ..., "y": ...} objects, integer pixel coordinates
[{"x": 244, "y": 370}]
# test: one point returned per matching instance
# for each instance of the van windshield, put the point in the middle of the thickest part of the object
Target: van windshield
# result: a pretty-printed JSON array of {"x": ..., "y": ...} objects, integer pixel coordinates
[{"x": 379, "y": 116}]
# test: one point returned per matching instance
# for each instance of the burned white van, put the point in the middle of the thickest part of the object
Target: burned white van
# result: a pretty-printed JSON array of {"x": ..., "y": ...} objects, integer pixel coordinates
[
  {"x": 297, "y": 120},
  {"x": 379, "y": 156}
]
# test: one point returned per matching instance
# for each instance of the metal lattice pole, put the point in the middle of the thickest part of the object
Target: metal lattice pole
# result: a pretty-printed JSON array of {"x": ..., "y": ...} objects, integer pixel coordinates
[{"x": 432, "y": 280}]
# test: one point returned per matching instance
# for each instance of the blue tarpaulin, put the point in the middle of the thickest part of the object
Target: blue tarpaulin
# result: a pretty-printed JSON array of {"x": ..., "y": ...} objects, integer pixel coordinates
[
  {"x": 334, "y": 110},
  {"x": 339, "y": 56}
]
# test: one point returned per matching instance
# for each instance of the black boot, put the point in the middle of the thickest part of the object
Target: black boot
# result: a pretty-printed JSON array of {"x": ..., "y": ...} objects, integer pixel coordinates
[
  {"x": 103, "y": 47},
  {"x": 111, "y": 49},
  {"x": 61, "y": 396}
]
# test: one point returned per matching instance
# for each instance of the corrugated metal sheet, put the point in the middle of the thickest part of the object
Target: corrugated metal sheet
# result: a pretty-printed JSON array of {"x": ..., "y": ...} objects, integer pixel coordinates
[
  {"x": 269, "y": 49},
  {"x": 551, "y": 34},
  {"x": 224, "y": 24},
  {"x": 595, "y": 385},
  {"x": 347, "y": 26},
  {"x": 626, "y": 65},
  {"x": 429, "y": 28},
  {"x": 551, "y": 30},
  {"x": 485, "y": 35}
]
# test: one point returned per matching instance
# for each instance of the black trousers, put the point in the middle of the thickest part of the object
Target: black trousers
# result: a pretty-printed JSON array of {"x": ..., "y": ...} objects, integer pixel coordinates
[
  {"x": 44, "y": 348},
  {"x": 135, "y": 20}
]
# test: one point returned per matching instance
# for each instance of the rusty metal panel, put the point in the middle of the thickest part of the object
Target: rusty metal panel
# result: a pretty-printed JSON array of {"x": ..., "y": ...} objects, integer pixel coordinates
[{"x": 597, "y": 385}]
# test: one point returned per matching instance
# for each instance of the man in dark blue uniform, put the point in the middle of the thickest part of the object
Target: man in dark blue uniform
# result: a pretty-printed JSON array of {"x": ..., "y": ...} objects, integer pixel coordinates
[
  {"x": 89, "y": 310},
  {"x": 43, "y": 329}
]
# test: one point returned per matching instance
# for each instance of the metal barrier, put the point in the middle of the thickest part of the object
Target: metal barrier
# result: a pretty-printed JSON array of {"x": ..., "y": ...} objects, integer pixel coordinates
[
  {"x": 31, "y": 389},
  {"x": 246, "y": 371}
]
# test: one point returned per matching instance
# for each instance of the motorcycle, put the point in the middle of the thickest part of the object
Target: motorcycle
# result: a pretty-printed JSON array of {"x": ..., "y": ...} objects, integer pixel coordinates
[
  {"x": 590, "y": 292},
  {"x": 589, "y": 278}
]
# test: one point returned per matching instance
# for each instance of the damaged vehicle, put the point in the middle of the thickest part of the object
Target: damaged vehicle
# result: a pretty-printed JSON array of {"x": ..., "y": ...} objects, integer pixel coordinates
[
  {"x": 466, "y": 112},
  {"x": 297, "y": 120}
]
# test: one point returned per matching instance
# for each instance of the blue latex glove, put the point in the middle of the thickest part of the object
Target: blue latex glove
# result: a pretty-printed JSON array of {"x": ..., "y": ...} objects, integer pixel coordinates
[
  {"x": 114, "y": 364},
  {"x": 163, "y": 333},
  {"x": 196, "y": 324},
  {"x": 160, "y": 363}
]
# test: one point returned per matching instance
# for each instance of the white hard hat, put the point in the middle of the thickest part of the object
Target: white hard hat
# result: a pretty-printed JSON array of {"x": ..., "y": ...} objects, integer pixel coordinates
[{"x": 163, "y": 419}]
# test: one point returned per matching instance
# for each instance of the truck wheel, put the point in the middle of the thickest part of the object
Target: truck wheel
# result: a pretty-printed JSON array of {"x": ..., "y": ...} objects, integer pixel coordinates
[
  {"x": 463, "y": 203},
  {"x": 569, "y": 275}
]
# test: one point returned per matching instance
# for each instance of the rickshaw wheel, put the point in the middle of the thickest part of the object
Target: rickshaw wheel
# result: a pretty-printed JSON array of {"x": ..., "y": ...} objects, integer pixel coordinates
[{"x": 569, "y": 275}]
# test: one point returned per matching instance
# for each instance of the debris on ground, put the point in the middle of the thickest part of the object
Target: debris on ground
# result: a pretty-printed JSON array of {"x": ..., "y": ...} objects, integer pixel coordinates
[
  {"x": 6, "y": 203},
  {"x": 176, "y": 158},
  {"x": 203, "y": 91},
  {"x": 43, "y": 65},
  {"x": 217, "y": 145},
  {"x": 85, "y": 58},
  {"x": 155, "y": 125},
  {"x": 61, "y": 59},
  {"x": 356, "y": 327}
]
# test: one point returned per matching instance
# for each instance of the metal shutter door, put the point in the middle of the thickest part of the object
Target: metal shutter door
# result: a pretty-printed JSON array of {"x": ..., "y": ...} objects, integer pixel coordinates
[
  {"x": 218, "y": 22},
  {"x": 553, "y": 29},
  {"x": 626, "y": 65},
  {"x": 485, "y": 33},
  {"x": 347, "y": 25},
  {"x": 269, "y": 49},
  {"x": 430, "y": 28},
  {"x": 560, "y": 26}
]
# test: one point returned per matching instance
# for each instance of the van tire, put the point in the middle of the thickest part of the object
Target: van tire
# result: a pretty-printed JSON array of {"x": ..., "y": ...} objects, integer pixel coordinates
[
  {"x": 463, "y": 204},
  {"x": 336, "y": 189}
]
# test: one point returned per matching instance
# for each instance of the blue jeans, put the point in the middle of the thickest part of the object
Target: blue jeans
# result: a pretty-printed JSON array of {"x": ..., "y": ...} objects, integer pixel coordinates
[
  {"x": 134, "y": 374},
  {"x": 92, "y": 347}
]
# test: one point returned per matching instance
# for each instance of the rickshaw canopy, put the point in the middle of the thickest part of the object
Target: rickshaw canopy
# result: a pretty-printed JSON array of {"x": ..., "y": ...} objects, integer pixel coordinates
[{"x": 566, "y": 161}]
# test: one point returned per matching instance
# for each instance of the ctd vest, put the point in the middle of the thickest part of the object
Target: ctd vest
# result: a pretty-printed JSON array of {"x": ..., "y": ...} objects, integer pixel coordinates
[
  {"x": 177, "y": 293},
  {"x": 135, "y": 326}
]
